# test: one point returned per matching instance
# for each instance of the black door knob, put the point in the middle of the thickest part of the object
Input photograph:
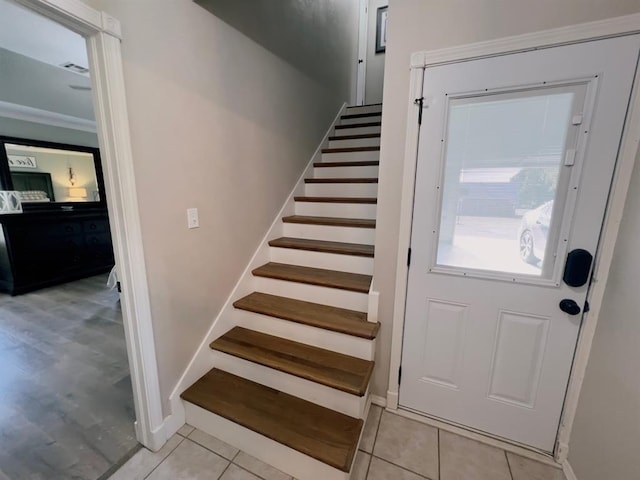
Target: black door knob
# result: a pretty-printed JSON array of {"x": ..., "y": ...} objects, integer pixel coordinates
[{"x": 569, "y": 306}]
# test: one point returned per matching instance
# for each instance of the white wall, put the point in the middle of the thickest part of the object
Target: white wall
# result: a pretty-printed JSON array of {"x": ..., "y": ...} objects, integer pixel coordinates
[
  {"x": 219, "y": 123},
  {"x": 606, "y": 434},
  {"x": 416, "y": 25},
  {"x": 375, "y": 61},
  {"x": 319, "y": 38}
]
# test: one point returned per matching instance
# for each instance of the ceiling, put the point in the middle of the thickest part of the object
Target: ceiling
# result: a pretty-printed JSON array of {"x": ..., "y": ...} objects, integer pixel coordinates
[
  {"x": 32, "y": 48},
  {"x": 32, "y": 35}
]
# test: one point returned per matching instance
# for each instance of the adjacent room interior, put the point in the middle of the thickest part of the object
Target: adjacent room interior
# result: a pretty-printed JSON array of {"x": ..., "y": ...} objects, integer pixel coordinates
[{"x": 66, "y": 403}]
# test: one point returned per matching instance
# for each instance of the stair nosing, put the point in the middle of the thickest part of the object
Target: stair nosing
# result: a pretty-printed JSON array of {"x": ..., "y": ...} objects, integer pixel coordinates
[
  {"x": 329, "y": 221},
  {"x": 341, "y": 180},
  {"x": 310, "y": 279},
  {"x": 362, "y": 136},
  {"x": 281, "y": 367},
  {"x": 358, "y": 200},
  {"x": 330, "y": 151},
  {"x": 350, "y": 116},
  {"x": 362, "y": 163},
  {"x": 343, "y": 461},
  {"x": 299, "y": 317},
  {"x": 338, "y": 248},
  {"x": 359, "y": 125}
]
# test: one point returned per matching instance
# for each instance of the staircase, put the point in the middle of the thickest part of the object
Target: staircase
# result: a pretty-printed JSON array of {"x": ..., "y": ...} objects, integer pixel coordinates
[{"x": 291, "y": 378}]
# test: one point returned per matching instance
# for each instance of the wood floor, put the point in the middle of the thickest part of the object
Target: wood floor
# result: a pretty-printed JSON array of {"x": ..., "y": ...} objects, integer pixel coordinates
[{"x": 66, "y": 405}]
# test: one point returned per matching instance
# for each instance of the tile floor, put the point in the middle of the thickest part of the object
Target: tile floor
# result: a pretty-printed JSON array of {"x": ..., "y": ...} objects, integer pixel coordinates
[
  {"x": 66, "y": 404},
  {"x": 392, "y": 448}
]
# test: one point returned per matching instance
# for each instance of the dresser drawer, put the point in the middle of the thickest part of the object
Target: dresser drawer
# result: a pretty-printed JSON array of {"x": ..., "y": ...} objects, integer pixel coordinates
[{"x": 95, "y": 226}]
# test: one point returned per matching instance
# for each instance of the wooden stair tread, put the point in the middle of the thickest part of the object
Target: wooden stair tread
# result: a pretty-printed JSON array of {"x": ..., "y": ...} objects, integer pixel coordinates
[
  {"x": 336, "y": 199},
  {"x": 353, "y": 282},
  {"x": 340, "y": 180},
  {"x": 366, "y": 105},
  {"x": 360, "y": 115},
  {"x": 359, "y": 125},
  {"x": 330, "y": 221},
  {"x": 318, "y": 432},
  {"x": 341, "y": 320},
  {"x": 365, "y": 163},
  {"x": 354, "y": 137},
  {"x": 334, "y": 370},
  {"x": 350, "y": 149},
  {"x": 356, "y": 249}
]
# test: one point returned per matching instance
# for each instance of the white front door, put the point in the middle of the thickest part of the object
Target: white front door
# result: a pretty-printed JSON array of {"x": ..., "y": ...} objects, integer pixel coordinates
[{"x": 515, "y": 163}]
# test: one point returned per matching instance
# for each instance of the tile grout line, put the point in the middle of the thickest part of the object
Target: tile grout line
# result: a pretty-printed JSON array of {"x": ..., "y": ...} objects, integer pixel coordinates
[
  {"x": 439, "y": 457},
  {"x": 508, "y": 464},
  {"x": 366, "y": 476},
  {"x": 401, "y": 467},
  {"x": 166, "y": 456}
]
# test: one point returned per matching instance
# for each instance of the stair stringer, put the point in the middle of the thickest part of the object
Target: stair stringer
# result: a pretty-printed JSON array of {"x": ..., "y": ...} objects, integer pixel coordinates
[{"x": 202, "y": 361}]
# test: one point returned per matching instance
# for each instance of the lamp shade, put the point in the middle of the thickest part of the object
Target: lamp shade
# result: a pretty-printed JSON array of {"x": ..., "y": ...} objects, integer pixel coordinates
[{"x": 78, "y": 192}]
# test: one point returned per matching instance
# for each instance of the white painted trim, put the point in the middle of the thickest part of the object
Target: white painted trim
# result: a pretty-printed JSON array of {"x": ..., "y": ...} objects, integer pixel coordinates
[
  {"x": 568, "y": 471},
  {"x": 362, "y": 52},
  {"x": 618, "y": 26},
  {"x": 479, "y": 437},
  {"x": 604, "y": 256},
  {"x": 404, "y": 236},
  {"x": 45, "y": 117},
  {"x": 103, "y": 45},
  {"x": 201, "y": 361},
  {"x": 612, "y": 27}
]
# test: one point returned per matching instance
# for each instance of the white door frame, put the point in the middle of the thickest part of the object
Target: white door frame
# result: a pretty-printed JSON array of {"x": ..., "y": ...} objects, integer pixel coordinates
[
  {"x": 362, "y": 52},
  {"x": 103, "y": 45},
  {"x": 618, "y": 26}
]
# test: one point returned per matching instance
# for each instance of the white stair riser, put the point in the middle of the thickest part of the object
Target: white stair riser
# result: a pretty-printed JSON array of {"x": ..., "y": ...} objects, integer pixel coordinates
[
  {"x": 298, "y": 332},
  {"x": 355, "y": 121},
  {"x": 341, "y": 190},
  {"x": 339, "y": 210},
  {"x": 352, "y": 156},
  {"x": 356, "y": 130},
  {"x": 313, "y": 392},
  {"x": 370, "y": 171},
  {"x": 363, "y": 109},
  {"x": 290, "y": 461},
  {"x": 330, "y": 233},
  {"x": 312, "y": 293},
  {"x": 358, "y": 142},
  {"x": 329, "y": 261}
]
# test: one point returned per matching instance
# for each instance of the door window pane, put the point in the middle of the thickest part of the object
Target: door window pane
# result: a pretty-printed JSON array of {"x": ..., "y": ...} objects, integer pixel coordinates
[{"x": 503, "y": 174}]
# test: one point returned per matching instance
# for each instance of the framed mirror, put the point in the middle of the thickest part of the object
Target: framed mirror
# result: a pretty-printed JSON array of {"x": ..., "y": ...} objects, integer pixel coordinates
[{"x": 51, "y": 176}]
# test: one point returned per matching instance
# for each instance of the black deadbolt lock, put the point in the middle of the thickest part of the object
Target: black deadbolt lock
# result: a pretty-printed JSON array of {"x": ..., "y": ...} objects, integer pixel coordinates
[
  {"x": 577, "y": 268},
  {"x": 569, "y": 306}
]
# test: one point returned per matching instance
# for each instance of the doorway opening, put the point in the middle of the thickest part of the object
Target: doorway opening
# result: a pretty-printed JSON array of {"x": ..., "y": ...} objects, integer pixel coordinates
[
  {"x": 372, "y": 45},
  {"x": 66, "y": 400}
]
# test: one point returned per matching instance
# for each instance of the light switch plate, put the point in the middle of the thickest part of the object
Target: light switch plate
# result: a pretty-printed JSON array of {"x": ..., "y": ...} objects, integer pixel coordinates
[{"x": 192, "y": 218}]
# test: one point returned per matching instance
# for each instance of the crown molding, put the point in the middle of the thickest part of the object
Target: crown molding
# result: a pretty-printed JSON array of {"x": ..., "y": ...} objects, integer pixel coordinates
[{"x": 45, "y": 117}]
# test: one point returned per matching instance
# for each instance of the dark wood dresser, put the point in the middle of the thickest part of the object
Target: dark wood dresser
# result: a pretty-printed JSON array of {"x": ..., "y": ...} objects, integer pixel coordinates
[{"x": 40, "y": 249}]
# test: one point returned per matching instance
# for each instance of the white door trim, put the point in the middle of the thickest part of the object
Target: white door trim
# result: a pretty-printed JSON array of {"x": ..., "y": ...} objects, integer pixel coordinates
[
  {"x": 103, "y": 44},
  {"x": 362, "y": 51},
  {"x": 618, "y": 26}
]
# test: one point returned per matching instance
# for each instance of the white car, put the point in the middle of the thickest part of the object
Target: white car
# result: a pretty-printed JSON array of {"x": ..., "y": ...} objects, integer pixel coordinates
[{"x": 533, "y": 232}]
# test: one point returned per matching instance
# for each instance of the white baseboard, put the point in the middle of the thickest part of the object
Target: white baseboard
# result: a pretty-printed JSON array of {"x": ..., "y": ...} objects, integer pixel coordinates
[
  {"x": 201, "y": 362},
  {"x": 379, "y": 401},
  {"x": 568, "y": 471}
]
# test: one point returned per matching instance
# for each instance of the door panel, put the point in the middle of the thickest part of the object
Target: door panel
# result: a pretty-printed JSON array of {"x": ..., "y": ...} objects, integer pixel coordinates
[{"x": 522, "y": 142}]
